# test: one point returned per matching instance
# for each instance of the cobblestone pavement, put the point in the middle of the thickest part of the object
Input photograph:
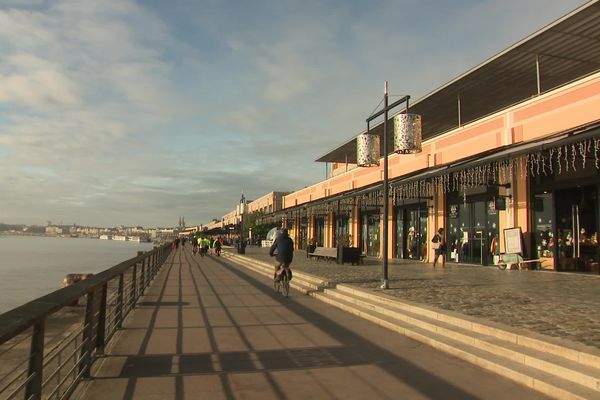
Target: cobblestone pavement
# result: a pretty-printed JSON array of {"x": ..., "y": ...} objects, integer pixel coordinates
[{"x": 563, "y": 305}]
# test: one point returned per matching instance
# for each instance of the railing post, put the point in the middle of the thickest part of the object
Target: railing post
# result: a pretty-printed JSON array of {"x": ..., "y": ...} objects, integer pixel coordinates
[
  {"x": 143, "y": 274},
  {"x": 154, "y": 262},
  {"x": 101, "y": 334},
  {"x": 134, "y": 285},
  {"x": 33, "y": 390},
  {"x": 88, "y": 332},
  {"x": 120, "y": 300}
]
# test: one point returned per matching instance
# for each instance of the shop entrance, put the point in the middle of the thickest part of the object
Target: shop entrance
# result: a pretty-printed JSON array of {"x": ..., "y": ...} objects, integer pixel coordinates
[
  {"x": 577, "y": 228},
  {"x": 566, "y": 213},
  {"x": 303, "y": 233},
  {"x": 342, "y": 229},
  {"x": 472, "y": 227},
  {"x": 411, "y": 232},
  {"x": 370, "y": 234},
  {"x": 320, "y": 231}
]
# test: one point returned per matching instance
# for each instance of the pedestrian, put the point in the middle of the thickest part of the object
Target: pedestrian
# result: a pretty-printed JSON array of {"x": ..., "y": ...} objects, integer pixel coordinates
[{"x": 439, "y": 247}]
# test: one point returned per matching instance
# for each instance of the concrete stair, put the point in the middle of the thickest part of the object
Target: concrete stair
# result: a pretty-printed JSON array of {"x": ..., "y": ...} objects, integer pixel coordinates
[
  {"x": 304, "y": 283},
  {"x": 558, "y": 368},
  {"x": 562, "y": 371}
]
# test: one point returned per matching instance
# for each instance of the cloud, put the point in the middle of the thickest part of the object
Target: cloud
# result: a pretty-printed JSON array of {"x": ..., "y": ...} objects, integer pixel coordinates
[{"x": 130, "y": 112}]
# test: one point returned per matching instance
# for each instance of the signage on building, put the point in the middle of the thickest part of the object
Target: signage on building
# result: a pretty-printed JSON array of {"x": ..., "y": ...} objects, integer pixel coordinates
[
  {"x": 501, "y": 203},
  {"x": 453, "y": 211},
  {"x": 492, "y": 207}
]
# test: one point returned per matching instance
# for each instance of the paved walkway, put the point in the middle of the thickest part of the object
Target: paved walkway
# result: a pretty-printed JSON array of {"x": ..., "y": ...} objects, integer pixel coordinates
[
  {"x": 564, "y": 305},
  {"x": 208, "y": 329}
]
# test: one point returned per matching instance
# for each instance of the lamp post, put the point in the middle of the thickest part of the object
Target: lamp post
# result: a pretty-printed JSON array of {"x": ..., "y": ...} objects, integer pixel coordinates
[
  {"x": 407, "y": 140},
  {"x": 242, "y": 208}
]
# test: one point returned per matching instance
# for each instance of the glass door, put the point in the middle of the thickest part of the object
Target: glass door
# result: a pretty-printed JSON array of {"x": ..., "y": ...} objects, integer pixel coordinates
[
  {"x": 370, "y": 235},
  {"x": 303, "y": 233},
  {"x": 320, "y": 231},
  {"x": 472, "y": 227},
  {"x": 400, "y": 236},
  {"x": 576, "y": 229}
]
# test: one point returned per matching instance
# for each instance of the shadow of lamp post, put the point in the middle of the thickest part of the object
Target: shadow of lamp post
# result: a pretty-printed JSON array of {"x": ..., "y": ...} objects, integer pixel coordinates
[{"x": 407, "y": 140}]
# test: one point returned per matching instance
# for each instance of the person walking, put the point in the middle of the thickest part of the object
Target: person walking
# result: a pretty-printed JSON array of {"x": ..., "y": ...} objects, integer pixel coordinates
[
  {"x": 439, "y": 247},
  {"x": 284, "y": 246}
]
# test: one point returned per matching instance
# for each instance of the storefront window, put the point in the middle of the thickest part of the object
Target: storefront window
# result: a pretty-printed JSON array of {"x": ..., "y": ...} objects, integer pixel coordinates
[
  {"x": 473, "y": 230},
  {"x": 320, "y": 231},
  {"x": 411, "y": 232},
  {"x": 543, "y": 225},
  {"x": 370, "y": 234},
  {"x": 565, "y": 211},
  {"x": 342, "y": 227}
]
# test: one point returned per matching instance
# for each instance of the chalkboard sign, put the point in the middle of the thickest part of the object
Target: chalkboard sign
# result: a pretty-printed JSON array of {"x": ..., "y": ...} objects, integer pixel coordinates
[{"x": 513, "y": 240}]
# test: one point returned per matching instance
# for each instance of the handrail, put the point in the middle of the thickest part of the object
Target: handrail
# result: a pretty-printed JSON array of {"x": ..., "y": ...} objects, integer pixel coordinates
[
  {"x": 23, "y": 317},
  {"x": 34, "y": 315}
]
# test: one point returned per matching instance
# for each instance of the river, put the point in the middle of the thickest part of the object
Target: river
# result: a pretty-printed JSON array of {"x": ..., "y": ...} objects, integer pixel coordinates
[{"x": 32, "y": 266}]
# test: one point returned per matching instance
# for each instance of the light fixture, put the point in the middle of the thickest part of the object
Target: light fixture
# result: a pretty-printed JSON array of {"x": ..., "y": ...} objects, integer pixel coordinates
[
  {"x": 407, "y": 140},
  {"x": 368, "y": 149},
  {"x": 407, "y": 133}
]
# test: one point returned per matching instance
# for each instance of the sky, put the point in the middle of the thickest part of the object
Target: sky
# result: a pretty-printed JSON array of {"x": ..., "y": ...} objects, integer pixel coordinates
[{"x": 123, "y": 112}]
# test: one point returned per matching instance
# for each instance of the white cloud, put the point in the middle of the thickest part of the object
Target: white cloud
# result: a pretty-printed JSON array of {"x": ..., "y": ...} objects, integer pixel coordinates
[{"x": 116, "y": 112}]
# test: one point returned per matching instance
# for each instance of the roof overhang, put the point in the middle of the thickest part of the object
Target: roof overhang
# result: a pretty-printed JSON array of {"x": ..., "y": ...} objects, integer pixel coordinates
[{"x": 562, "y": 52}]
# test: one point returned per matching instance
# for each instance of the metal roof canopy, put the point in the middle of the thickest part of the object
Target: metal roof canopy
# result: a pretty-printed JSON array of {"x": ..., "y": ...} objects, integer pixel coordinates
[{"x": 566, "y": 50}]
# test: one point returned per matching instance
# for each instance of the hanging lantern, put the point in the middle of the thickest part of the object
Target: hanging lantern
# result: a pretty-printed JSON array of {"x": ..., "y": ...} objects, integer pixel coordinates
[
  {"x": 367, "y": 150},
  {"x": 407, "y": 133}
]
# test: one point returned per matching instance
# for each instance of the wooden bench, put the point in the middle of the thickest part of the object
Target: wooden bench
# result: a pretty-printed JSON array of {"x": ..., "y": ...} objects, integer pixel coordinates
[
  {"x": 324, "y": 253},
  {"x": 508, "y": 260}
]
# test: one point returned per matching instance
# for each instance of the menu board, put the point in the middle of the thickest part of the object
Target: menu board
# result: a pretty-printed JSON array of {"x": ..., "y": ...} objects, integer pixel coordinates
[{"x": 513, "y": 239}]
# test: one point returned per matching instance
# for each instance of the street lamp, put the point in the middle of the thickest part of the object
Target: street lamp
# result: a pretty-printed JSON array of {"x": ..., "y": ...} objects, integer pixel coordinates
[
  {"x": 407, "y": 140},
  {"x": 241, "y": 209}
]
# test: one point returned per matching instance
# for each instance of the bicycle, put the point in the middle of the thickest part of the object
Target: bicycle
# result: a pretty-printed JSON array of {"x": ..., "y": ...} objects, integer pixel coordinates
[{"x": 282, "y": 283}]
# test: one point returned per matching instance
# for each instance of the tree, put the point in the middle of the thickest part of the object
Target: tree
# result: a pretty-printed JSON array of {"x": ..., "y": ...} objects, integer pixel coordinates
[{"x": 252, "y": 221}]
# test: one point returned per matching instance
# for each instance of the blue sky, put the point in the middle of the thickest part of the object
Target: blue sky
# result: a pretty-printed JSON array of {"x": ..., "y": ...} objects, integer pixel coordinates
[{"x": 136, "y": 112}]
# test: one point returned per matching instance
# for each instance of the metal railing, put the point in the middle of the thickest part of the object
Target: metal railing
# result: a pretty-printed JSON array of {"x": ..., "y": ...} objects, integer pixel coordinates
[{"x": 60, "y": 353}]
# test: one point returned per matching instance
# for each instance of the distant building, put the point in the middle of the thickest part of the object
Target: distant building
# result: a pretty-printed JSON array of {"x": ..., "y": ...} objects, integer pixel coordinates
[{"x": 54, "y": 230}]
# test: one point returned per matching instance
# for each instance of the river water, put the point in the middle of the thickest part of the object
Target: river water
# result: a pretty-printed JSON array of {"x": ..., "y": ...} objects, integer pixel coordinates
[{"x": 32, "y": 266}]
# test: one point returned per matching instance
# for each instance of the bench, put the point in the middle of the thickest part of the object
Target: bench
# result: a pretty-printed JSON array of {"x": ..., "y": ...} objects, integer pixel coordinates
[
  {"x": 508, "y": 260},
  {"x": 324, "y": 253}
]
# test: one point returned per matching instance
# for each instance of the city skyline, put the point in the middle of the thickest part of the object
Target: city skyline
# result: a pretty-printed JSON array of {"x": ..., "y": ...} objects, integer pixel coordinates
[{"x": 135, "y": 113}]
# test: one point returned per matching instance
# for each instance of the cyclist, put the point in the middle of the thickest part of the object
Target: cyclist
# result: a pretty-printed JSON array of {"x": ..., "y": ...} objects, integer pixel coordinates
[
  {"x": 284, "y": 245},
  {"x": 217, "y": 247}
]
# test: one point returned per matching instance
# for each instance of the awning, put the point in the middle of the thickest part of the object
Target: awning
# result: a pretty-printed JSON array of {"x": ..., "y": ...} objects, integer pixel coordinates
[{"x": 561, "y": 151}]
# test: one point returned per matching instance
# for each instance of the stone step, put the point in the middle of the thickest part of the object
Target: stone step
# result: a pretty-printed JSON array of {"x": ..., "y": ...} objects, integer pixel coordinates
[
  {"x": 546, "y": 383},
  {"x": 559, "y": 366},
  {"x": 576, "y": 352},
  {"x": 299, "y": 281}
]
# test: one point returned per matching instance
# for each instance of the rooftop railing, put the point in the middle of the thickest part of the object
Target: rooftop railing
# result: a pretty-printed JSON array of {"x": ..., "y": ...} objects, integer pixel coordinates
[{"x": 47, "y": 346}]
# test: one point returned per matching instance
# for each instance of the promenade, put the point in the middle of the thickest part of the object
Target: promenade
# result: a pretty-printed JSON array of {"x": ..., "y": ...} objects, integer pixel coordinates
[
  {"x": 210, "y": 329},
  {"x": 563, "y": 305}
]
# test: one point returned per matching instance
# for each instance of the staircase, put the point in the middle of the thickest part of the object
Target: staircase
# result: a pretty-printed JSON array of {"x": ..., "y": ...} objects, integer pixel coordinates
[{"x": 558, "y": 368}]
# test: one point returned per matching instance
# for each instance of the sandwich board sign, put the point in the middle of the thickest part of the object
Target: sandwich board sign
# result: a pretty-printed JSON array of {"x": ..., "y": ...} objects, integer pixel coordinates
[{"x": 513, "y": 241}]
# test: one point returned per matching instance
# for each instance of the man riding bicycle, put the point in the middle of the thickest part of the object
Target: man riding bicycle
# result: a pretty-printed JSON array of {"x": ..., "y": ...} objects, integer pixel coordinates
[{"x": 283, "y": 250}]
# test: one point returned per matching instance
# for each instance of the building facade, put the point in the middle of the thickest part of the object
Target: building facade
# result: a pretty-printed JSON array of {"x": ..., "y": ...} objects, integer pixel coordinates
[{"x": 512, "y": 143}]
